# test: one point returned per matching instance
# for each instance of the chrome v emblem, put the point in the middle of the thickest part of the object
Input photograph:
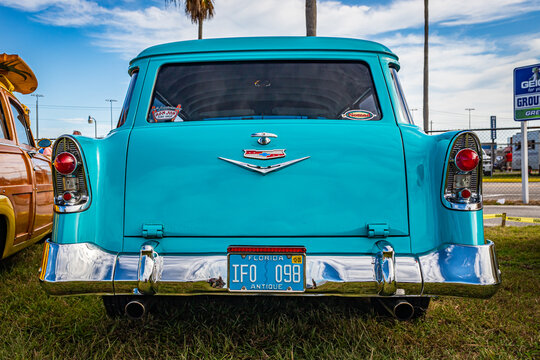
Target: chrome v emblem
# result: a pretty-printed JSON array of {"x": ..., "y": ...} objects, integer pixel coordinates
[{"x": 264, "y": 169}]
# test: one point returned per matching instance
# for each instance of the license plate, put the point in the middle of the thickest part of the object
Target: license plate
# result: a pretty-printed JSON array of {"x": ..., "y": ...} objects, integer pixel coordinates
[{"x": 267, "y": 272}]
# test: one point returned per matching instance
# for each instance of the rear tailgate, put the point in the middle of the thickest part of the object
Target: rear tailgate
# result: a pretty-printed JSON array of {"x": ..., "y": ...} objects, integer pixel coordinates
[{"x": 354, "y": 176}]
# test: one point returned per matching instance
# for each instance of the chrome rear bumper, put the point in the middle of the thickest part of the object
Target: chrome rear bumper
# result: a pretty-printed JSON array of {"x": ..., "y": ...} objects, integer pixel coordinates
[{"x": 453, "y": 270}]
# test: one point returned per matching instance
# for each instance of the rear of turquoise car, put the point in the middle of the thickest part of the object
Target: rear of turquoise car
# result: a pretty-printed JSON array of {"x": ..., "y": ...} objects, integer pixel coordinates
[{"x": 268, "y": 166}]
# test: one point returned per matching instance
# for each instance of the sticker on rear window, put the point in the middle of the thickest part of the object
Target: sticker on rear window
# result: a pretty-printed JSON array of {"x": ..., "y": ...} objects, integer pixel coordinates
[
  {"x": 358, "y": 115},
  {"x": 165, "y": 113}
]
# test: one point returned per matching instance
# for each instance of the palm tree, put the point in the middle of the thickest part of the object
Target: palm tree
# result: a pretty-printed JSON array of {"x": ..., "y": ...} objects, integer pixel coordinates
[
  {"x": 311, "y": 17},
  {"x": 426, "y": 73},
  {"x": 197, "y": 10}
]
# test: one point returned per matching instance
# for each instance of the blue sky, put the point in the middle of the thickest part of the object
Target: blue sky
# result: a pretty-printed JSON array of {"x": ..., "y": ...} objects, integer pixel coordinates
[{"x": 80, "y": 49}]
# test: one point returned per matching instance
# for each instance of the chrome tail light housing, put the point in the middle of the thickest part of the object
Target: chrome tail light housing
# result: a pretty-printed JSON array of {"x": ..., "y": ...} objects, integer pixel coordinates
[
  {"x": 70, "y": 178},
  {"x": 462, "y": 185}
]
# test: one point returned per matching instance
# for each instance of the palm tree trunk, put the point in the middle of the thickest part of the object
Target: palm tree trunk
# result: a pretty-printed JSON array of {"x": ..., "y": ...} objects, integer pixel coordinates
[
  {"x": 311, "y": 17},
  {"x": 426, "y": 67},
  {"x": 200, "y": 27}
]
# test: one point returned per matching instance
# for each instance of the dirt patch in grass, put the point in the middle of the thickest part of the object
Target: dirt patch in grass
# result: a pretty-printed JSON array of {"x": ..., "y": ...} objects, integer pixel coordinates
[{"x": 36, "y": 326}]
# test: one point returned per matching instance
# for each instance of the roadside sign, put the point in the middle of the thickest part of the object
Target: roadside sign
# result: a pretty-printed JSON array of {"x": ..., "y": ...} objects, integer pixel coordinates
[
  {"x": 527, "y": 93},
  {"x": 493, "y": 122}
]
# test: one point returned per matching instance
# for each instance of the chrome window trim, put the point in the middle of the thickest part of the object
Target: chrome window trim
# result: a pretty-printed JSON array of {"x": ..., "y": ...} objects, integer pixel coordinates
[
  {"x": 404, "y": 106},
  {"x": 364, "y": 62}
]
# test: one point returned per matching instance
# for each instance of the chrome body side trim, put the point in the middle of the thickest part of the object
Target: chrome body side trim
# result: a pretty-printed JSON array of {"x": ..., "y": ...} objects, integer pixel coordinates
[
  {"x": 453, "y": 270},
  {"x": 465, "y": 206},
  {"x": 73, "y": 208}
]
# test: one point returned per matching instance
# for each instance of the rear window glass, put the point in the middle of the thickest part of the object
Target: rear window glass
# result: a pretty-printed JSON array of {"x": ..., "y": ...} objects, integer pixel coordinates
[
  {"x": 127, "y": 100},
  {"x": 264, "y": 89},
  {"x": 403, "y": 107},
  {"x": 23, "y": 132}
]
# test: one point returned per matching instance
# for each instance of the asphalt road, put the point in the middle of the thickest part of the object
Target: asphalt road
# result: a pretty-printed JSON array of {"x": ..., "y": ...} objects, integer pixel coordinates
[
  {"x": 509, "y": 191},
  {"x": 513, "y": 210}
]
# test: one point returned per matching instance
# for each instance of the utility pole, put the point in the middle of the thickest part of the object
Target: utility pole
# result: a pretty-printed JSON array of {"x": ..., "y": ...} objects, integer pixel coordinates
[
  {"x": 111, "y": 101},
  {"x": 311, "y": 17},
  {"x": 469, "y": 110},
  {"x": 37, "y": 113}
]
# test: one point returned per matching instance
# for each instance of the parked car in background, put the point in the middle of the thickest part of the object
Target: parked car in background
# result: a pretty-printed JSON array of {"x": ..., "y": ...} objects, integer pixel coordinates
[
  {"x": 533, "y": 140},
  {"x": 276, "y": 166},
  {"x": 500, "y": 163},
  {"x": 26, "y": 191},
  {"x": 486, "y": 163}
]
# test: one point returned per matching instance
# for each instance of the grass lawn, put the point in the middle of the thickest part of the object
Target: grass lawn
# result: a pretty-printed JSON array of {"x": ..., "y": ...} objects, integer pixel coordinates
[
  {"x": 36, "y": 326},
  {"x": 508, "y": 179},
  {"x": 513, "y": 176}
]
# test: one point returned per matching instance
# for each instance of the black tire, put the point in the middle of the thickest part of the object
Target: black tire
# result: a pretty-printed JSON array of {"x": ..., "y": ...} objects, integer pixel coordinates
[
  {"x": 115, "y": 305},
  {"x": 43, "y": 239},
  {"x": 420, "y": 305}
]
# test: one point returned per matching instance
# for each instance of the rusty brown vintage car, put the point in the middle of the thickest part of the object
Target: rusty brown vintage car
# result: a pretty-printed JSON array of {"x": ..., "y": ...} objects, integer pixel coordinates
[{"x": 26, "y": 192}]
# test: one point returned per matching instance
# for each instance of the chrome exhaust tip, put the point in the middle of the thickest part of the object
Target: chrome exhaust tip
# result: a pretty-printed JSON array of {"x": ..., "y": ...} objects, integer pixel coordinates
[
  {"x": 135, "y": 309},
  {"x": 403, "y": 310},
  {"x": 400, "y": 309}
]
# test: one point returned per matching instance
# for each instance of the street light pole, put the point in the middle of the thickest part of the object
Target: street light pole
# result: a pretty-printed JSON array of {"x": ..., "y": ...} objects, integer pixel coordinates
[
  {"x": 469, "y": 110},
  {"x": 92, "y": 120},
  {"x": 111, "y": 101},
  {"x": 37, "y": 114}
]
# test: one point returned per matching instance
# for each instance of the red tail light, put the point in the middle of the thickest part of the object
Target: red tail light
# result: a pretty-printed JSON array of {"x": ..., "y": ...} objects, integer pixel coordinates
[
  {"x": 71, "y": 184},
  {"x": 462, "y": 187},
  {"x": 65, "y": 163},
  {"x": 467, "y": 160},
  {"x": 265, "y": 249}
]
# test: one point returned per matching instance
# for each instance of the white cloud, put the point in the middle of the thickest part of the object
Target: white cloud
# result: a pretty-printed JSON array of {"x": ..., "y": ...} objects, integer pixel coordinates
[
  {"x": 126, "y": 30},
  {"x": 464, "y": 71},
  {"x": 30, "y": 5}
]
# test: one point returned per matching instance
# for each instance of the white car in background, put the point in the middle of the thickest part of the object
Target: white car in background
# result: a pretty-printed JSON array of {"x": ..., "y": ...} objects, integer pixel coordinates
[{"x": 486, "y": 163}]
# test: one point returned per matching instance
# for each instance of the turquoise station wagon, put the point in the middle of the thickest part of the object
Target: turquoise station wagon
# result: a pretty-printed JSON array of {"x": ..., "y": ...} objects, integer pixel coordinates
[{"x": 275, "y": 166}]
